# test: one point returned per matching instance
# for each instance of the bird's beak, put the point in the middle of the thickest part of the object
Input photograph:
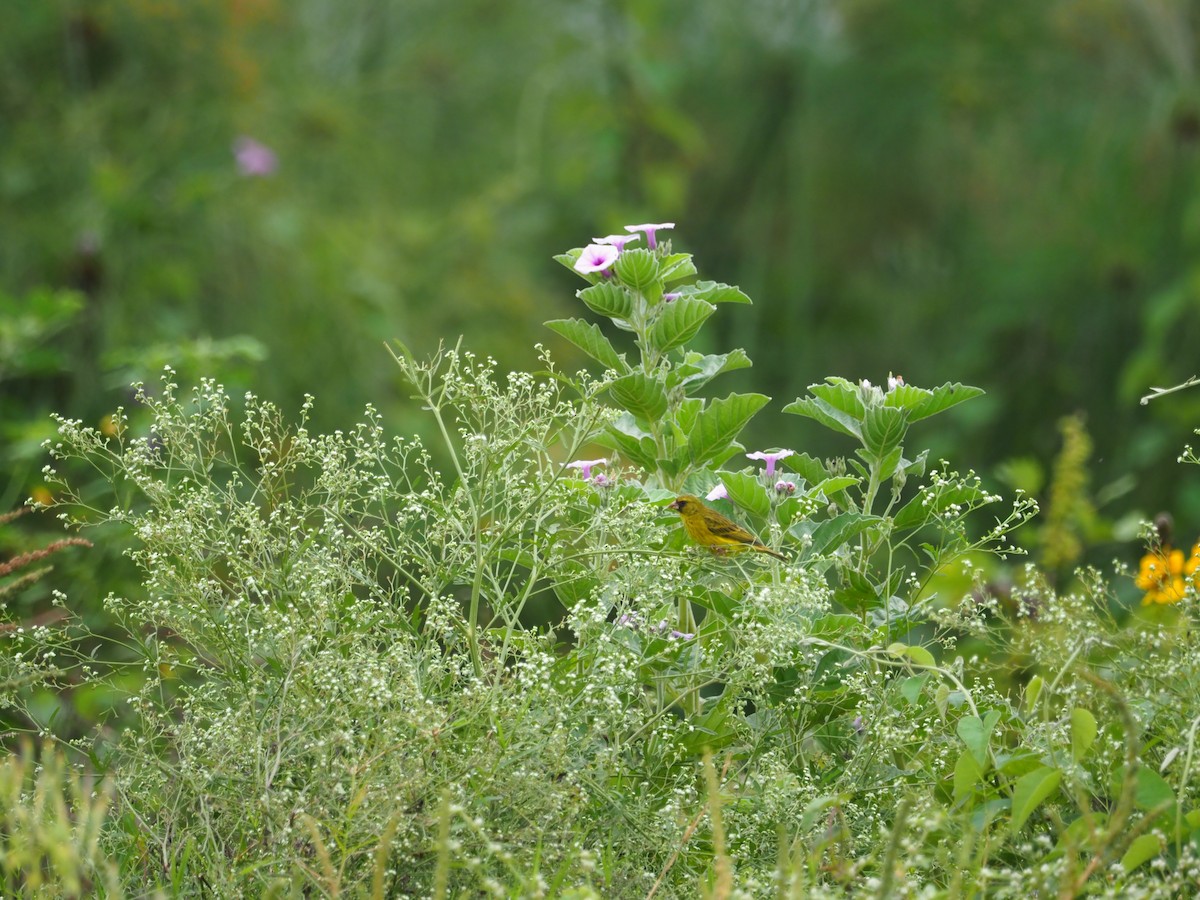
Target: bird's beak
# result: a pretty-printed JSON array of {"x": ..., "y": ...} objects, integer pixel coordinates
[{"x": 677, "y": 505}]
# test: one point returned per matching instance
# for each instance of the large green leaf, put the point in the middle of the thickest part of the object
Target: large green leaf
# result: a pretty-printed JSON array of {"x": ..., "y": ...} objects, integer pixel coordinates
[
  {"x": 747, "y": 492},
  {"x": 855, "y": 591},
  {"x": 1151, "y": 790},
  {"x": 637, "y": 268},
  {"x": 976, "y": 733},
  {"x": 888, "y": 463},
  {"x": 913, "y": 468},
  {"x": 828, "y": 415},
  {"x": 624, "y": 436},
  {"x": 678, "y": 322},
  {"x": 942, "y": 398},
  {"x": 697, "y": 369},
  {"x": 588, "y": 338},
  {"x": 1031, "y": 791},
  {"x": 676, "y": 267},
  {"x": 686, "y": 414},
  {"x": 883, "y": 429},
  {"x": 830, "y": 486},
  {"x": 641, "y": 395},
  {"x": 569, "y": 259},
  {"x": 833, "y": 626},
  {"x": 679, "y": 424},
  {"x": 720, "y": 424},
  {"x": 907, "y": 397},
  {"x": 834, "y": 533},
  {"x": 915, "y": 652},
  {"x": 1083, "y": 732},
  {"x": 607, "y": 299},
  {"x": 715, "y": 292},
  {"x": 967, "y": 773},
  {"x": 1141, "y": 850},
  {"x": 812, "y": 470},
  {"x": 672, "y": 465},
  {"x": 1033, "y": 690},
  {"x": 574, "y": 584},
  {"x": 840, "y": 393}
]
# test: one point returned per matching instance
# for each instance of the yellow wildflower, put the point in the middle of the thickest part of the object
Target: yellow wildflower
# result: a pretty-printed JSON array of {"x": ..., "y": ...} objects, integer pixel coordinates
[{"x": 1163, "y": 574}]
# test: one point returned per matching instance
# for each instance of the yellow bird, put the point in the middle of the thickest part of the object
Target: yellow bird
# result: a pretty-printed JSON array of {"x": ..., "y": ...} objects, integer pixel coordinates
[{"x": 710, "y": 528}]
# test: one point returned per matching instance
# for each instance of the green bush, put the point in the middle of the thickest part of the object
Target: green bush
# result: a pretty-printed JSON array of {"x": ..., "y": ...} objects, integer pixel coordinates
[{"x": 364, "y": 675}]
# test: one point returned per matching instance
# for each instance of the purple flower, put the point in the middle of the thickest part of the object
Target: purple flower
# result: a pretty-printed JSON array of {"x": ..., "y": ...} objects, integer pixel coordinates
[
  {"x": 601, "y": 480},
  {"x": 770, "y": 458},
  {"x": 785, "y": 487},
  {"x": 596, "y": 258},
  {"x": 649, "y": 231},
  {"x": 682, "y": 635},
  {"x": 717, "y": 493},
  {"x": 857, "y": 724},
  {"x": 672, "y": 295},
  {"x": 254, "y": 159},
  {"x": 585, "y": 467},
  {"x": 617, "y": 240}
]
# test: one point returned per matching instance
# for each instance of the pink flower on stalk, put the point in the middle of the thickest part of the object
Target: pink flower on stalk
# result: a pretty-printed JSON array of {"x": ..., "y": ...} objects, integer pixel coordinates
[
  {"x": 650, "y": 230},
  {"x": 785, "y": 487},
  {"x": 672, "y": 295},
  {"x": 717, "y": 493},
  {"x": 254, "y": 159},
  {"x": 770, "y": 458},
  {"x": 596, "y": 258},
  {"x": 617, "y": 240},
  {"x": 585, "y": 468}
]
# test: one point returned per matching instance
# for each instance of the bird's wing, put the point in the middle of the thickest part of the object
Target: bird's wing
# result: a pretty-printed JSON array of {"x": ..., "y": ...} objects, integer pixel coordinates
[{"x": 723, "y": 528}]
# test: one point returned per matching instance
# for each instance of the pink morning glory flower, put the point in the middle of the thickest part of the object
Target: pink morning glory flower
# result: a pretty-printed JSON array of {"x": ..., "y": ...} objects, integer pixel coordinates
[
  {"x": 672, "y": 295},
  {"x": 785, "y": 487},
  {"x": 254, "y": 159},
  {"x": 717, "y": 493},
  {"x": 617, "y": 240},
  {"x": 770, "y": 458},
  {"x": 585, "y": 467},
  {"x": 649, "y": 230},
  {"x": 596, "y": 258}
]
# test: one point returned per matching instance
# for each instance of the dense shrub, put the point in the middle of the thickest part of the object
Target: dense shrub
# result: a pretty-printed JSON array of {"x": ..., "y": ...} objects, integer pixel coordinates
[{"x": 360, "y": 674}]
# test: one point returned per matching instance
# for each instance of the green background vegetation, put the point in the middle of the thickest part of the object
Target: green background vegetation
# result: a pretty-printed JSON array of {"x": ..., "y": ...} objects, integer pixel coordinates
[{"x": 1001, "y": 194}]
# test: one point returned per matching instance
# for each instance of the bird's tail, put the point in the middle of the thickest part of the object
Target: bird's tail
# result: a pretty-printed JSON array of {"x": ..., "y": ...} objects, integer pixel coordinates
[{"x": 762, "y": 548}]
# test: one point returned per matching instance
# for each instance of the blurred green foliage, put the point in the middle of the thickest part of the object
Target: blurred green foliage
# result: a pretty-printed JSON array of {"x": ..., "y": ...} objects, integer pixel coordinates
[{"x": 999, "y": 194}]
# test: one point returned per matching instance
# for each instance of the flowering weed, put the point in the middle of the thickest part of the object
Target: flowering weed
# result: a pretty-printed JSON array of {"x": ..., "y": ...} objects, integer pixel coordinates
[{"x": 358, "y": 671}]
